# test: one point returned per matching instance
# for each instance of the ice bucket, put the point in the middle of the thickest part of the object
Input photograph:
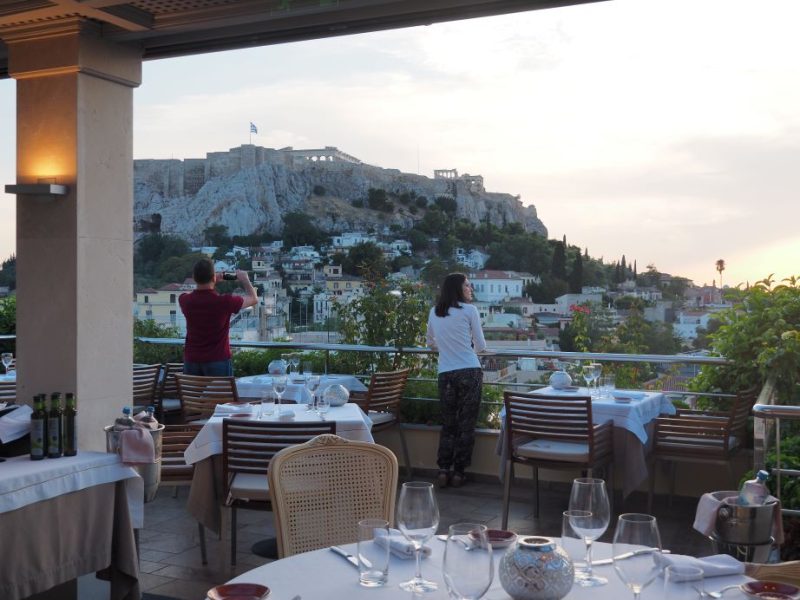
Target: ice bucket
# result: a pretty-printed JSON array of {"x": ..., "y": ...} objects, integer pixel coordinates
[
  {"x": 744, "y": 524},
  {"x": 150, "y": 474}
]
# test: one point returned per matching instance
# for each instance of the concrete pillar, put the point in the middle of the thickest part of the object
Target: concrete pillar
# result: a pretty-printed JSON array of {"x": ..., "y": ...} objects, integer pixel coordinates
[{"x": 75, "y": 252}]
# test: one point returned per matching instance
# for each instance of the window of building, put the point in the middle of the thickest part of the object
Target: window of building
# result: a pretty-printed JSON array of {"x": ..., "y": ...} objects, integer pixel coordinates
[
  {"x": 147, "y": 299},
  {"x": 172, "y": 300}
]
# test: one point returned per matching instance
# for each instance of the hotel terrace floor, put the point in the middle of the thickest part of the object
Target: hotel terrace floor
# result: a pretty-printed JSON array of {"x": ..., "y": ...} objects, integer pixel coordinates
[{"x": 170, "y": 551}]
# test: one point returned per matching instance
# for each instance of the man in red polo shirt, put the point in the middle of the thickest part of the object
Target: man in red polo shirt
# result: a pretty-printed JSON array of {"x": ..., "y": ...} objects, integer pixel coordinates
[{"x": 208, "y": 314}]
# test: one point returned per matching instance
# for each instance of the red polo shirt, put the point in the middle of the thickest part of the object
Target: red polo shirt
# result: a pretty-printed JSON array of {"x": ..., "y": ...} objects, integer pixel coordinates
[{"x": 208, "y": 316}]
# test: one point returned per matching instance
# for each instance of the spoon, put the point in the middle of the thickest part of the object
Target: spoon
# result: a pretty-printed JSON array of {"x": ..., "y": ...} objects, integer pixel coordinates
[
  {"x": 718, "y": 594},
  {"x": 467, "y": 546}
]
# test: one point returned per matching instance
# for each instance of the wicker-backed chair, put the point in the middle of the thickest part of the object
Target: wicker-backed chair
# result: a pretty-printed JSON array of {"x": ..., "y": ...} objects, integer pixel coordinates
[
  {"x": 321, "y": 489},
  {"x": 553, "y": 432},
  {"x": 697, "y": 436},
  {"x": 199, "y": 395},
  {"x": 145, "y": 384},
  {"x": 247, "y": 451},
  {"x": 168, "y": 404},
  {"x": 174, "y": 469},
  {"x": 8, "y": 391},
  {"x": 787, "y": 572},
  {"x": 381, "y": 403}
]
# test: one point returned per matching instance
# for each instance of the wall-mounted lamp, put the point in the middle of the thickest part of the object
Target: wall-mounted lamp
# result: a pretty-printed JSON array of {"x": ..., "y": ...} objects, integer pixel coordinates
[{"x": 37, "y": 189}]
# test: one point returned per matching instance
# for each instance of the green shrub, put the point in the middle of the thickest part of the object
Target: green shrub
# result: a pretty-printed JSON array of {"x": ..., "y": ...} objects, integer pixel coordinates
[{"x": 150, "y": 354}]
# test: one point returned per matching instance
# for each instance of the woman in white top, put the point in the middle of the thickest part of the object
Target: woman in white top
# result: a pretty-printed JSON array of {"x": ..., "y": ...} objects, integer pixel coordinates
[{"x": 454, "y": 330}]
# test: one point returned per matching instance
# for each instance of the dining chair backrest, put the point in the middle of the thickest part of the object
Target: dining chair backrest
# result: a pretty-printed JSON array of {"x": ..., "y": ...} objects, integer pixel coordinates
[
  {"x": 168, "y": 387},
  {"x": 386, "y": 391},
  {"x": 174, "y": 441},
  {"x": 8, "y": 391},
  {"x": 200, "y": 395},
  {"x": 741, "y": 411},
  {"x": 550, "y": 417},
  {"x": 323, "y": 488},
  {"x": 145, "y": 383},
  {"x": 248, "y": 446}
]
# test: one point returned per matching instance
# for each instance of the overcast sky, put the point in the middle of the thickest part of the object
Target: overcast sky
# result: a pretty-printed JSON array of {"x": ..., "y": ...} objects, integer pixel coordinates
[{"x": 664, "y": 130}]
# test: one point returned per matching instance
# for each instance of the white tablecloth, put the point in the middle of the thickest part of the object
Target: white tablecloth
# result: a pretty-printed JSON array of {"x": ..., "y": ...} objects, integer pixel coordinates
[
  {"x": 253, "y": 386},
  {"x": 24, "y": 481},
  {"x": 632, "y": 416},
  {"x": 334, "y": 578},
  {"x": 351, "y": 423}
]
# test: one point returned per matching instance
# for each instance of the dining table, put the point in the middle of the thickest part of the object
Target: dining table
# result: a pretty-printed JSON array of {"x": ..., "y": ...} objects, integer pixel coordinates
[
  {"x": 252, "y": 387},
  {"x": 336, "y": 579},
  {"x": 66, "y": 517},
  {"x": 633, "y": 414},
  {"x": 205, "y": 452}
]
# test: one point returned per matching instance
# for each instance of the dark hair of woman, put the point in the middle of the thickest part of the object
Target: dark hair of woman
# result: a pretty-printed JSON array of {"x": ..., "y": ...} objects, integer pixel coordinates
[{"x": 451, "y": 295}]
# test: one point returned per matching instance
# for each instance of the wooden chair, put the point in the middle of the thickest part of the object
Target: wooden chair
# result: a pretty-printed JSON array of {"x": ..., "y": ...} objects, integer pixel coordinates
[
  {"x": 200, "y": 395},
  {"x": 145, "y": 383},
  {"x": 787, "y": 572},
  {"x": 174, "y": 469},
  {"x": 168, "y": 404},
  {"x": 321, "y": 489},
  {"x": 553, "y": 432},
  {"x": 381, "y": 403},
  {"x": 247, "y": 450},
  {"x": 698, "y": 436}
]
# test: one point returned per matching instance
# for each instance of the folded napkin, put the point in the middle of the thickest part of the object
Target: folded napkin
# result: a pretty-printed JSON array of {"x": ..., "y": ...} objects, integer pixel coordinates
[
  {"x": 136, "y": 447},
  {"x": 15, "y": 423},
  {"x": 712, "y": 566},
  {"x": 628, "y": 394},
  {"x": 398, "y": 544},
  {"x": 230, "y": 409},
  {"x": 705, "y": 518}
]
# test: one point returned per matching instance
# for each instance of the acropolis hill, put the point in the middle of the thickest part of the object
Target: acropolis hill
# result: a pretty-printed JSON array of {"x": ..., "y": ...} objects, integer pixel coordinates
[{"x": 249, "y": 189}]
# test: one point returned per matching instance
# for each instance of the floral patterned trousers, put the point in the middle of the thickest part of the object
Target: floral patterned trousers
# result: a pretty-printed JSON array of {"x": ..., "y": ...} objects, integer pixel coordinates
[{"x": 460, "y": 400}]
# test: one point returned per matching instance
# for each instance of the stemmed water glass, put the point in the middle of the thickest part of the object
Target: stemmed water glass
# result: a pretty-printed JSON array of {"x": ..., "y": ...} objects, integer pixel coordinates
[
  {"x": 418, "y": 518},
  {"x": 7, "y": 359},
  {"x": 294, "y": 361},
  {"x": 589, "y": 500},
  {"x": 312, "y": 383},
  {"x": 636, "y": 532},
  {"x": 598, "y": 371},
  {"x": 279, "y": 387},
  {"x": 588, "y": 375},
  {"x": 468, "y": 566}
]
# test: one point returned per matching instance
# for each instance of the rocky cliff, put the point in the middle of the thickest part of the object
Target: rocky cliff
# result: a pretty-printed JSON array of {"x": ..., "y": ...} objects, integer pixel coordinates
[{"x": 250, "y": 188}]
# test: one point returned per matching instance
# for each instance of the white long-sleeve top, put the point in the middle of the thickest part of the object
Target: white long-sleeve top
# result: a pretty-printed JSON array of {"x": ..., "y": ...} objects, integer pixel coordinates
[{"x": 457, "y": 337}]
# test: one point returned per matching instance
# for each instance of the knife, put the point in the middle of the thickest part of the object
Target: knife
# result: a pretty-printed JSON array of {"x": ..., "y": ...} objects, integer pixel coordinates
[
  {"x": 608, "y": 561},
  {"x": 350, "y": 558}
]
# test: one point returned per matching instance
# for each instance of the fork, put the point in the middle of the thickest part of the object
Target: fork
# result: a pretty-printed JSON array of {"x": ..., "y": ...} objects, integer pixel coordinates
[{"x": 718, "y": 594}]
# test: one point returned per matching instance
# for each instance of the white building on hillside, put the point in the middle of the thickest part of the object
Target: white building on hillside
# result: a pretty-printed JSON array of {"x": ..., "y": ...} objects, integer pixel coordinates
[
  {"x": 567, "y": 300},
  {"x": 474, "y": 259},
  {"x": 689, "y": 321},
  {"x": 496, "y": 286},
  {"x": 351, "y": 238}
]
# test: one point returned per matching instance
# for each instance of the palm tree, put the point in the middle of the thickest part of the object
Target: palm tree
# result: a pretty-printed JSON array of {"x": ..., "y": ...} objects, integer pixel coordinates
[{"x": 720, "y": 269}]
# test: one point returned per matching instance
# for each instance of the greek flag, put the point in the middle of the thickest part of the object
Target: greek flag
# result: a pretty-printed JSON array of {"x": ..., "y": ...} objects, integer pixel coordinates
[{"x": 253, "y": 128}]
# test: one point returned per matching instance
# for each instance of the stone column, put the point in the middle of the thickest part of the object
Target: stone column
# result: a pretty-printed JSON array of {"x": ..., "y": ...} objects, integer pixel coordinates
[{"x": 75, "y": 252}]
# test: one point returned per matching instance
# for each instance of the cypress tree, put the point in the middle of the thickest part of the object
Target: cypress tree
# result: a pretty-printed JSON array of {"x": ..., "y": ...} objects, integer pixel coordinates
[
  {"x": 559, "y": 265},
  {"x": 576, "y": 275}
]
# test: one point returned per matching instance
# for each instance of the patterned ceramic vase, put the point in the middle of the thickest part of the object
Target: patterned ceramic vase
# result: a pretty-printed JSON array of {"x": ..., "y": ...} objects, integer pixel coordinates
[
  {"x": 535, "y": 568},
  {"x": 560, "y": 379}
]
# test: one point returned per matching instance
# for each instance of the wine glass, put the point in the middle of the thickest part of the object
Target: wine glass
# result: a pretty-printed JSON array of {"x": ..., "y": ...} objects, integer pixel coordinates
[
  {"x": 598, "y": 371},
  {"x": 468, "y": 565},
  {"x": 589, "y": 496},
  {"x": 322, "y": 405},
  {"x": 294, "y": 361},
  {"x": 7, "y": 358},
  {"x": 279, "y": 387},
  {"x": 636, "y": 532},
  {"x": 312, "y": 383},
  {"x": 418, "y": 518},
  {"x": 588, "y": 375}
]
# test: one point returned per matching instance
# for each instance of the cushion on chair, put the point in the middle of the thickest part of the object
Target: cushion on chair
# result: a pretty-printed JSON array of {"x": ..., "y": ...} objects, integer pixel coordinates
[
  {"x": 379, "y": 418},
  {"x": 701, "y": 442},
  {"x": 554, "y": 450},
  {"x": 250, "y": 486}
]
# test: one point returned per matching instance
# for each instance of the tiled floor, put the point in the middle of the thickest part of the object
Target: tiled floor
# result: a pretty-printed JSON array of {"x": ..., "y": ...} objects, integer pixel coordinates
[{"x": 170, "y": 552}]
